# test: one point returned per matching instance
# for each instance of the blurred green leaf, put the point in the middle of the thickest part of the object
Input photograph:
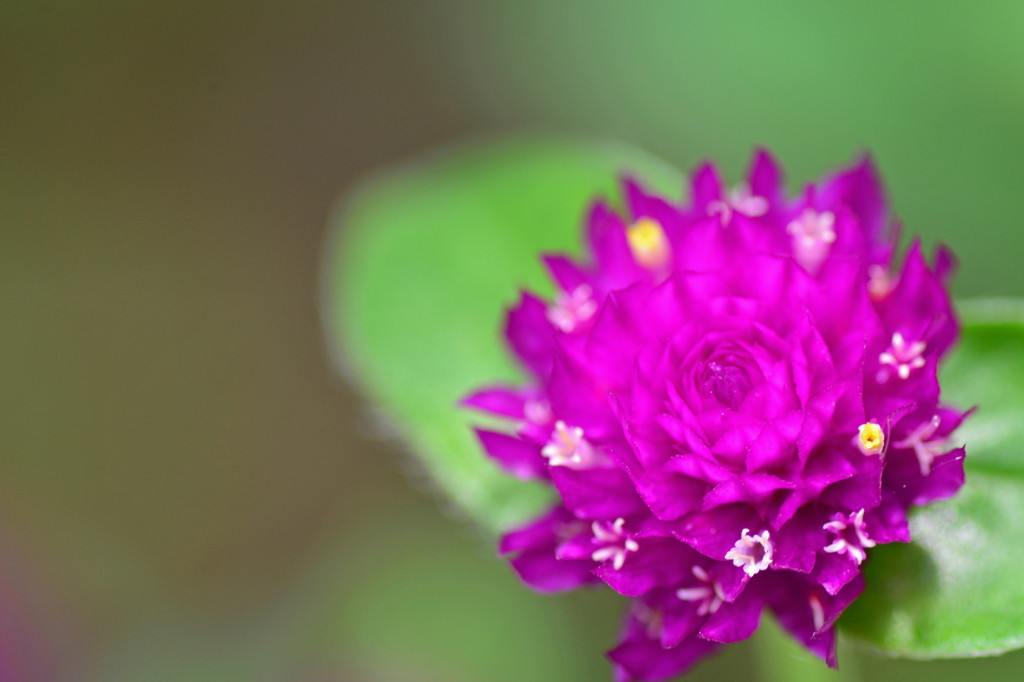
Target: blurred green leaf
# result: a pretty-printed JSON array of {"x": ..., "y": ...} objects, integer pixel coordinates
[
  {"x": 419, "y": 264},
  {"x": 413, "y": 600},
  {"x": 957, "y": 589}
]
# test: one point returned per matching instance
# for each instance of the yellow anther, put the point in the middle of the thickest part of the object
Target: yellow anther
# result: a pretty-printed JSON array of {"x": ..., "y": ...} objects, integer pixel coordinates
[
  {"x": 648, "y": 243},
  {"x": 870, "y": 438}
]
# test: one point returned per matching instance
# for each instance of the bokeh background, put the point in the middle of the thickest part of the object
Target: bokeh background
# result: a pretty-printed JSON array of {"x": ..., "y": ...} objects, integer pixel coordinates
[{"x": 187, "y": 492}]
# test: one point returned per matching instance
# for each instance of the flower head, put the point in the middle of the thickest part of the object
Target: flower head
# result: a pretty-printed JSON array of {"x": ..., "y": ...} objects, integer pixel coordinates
[{"x": 740, "y": 400}]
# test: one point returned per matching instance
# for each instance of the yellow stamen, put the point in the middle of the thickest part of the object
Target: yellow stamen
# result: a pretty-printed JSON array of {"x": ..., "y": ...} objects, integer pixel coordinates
[
  {"x": 648, "y": 243},
  {"x": 870, "y": 438}
]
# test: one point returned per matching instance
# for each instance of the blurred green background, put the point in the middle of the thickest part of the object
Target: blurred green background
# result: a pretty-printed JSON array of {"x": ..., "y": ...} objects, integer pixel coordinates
[{"x": 186, "y": 491}]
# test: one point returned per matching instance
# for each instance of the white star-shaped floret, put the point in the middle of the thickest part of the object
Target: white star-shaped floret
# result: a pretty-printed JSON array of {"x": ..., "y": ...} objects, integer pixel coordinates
[
  {"x": 926, "y": 446},
  {"x": 708, "y": 594},
  {"x": 851, "y": 544},
  {"x": 752, "y": 553},
  {"x": 570, "y": 310},
  {"x": 902, "y": 356},
  {"x": 617, "y": 543}
]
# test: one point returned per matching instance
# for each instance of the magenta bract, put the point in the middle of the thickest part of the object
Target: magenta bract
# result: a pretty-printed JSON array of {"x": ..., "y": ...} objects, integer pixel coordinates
[{"x": 735, "y": 400}]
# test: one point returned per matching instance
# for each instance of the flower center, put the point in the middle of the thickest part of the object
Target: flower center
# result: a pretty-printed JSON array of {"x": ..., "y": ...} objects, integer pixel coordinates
[{"x": 726, "y": 382}]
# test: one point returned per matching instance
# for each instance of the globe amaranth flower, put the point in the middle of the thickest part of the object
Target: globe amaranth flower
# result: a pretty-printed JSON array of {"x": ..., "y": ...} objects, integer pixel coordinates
[{"x": 735, "y": 401}]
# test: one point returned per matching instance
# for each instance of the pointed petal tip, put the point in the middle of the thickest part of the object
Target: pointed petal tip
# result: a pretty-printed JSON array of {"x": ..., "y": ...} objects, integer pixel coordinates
[
  {"x": 945, "y": 261},
  {"x": 630, "y": 183},
  {"x": 762, "y": 156},
  {"x": 599, "y": 212},
  {"x": 706, "y": 170},
  {"x": 865, "y": 159}
]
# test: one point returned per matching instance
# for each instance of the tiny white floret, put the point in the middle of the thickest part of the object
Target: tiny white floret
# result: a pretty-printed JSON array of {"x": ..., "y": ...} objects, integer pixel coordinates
[
  {"x": 569, "y": 448},
  {"x": 740, "y": 200},
  {"x": 617, "y": 544},
  {"x": 902, "y": 356},
  {"x": 813, "y": 234},
  {"x": 926, "y": 446},
  {"x": 854, "y": 543},
  {"x": 709, "y": 595},
  {"x": 652, "y": 619},
  {"x": 537, "y": 411},
  {"x": 570, "y": 310},
  {"x": 752, "y": 553}
]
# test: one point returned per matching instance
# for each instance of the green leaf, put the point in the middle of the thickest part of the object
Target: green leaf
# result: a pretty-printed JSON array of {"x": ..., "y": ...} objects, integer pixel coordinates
[
  {"x": 958, "y": 589},
  {"x": 422, "y": 261}
]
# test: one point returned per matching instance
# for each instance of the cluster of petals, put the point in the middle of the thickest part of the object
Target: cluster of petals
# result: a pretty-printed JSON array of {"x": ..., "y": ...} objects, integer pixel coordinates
[{"x": 735, "y": 400}]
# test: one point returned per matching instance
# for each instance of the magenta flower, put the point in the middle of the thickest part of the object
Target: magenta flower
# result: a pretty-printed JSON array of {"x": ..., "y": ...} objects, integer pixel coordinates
[{"x": 735, "y": 401}]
